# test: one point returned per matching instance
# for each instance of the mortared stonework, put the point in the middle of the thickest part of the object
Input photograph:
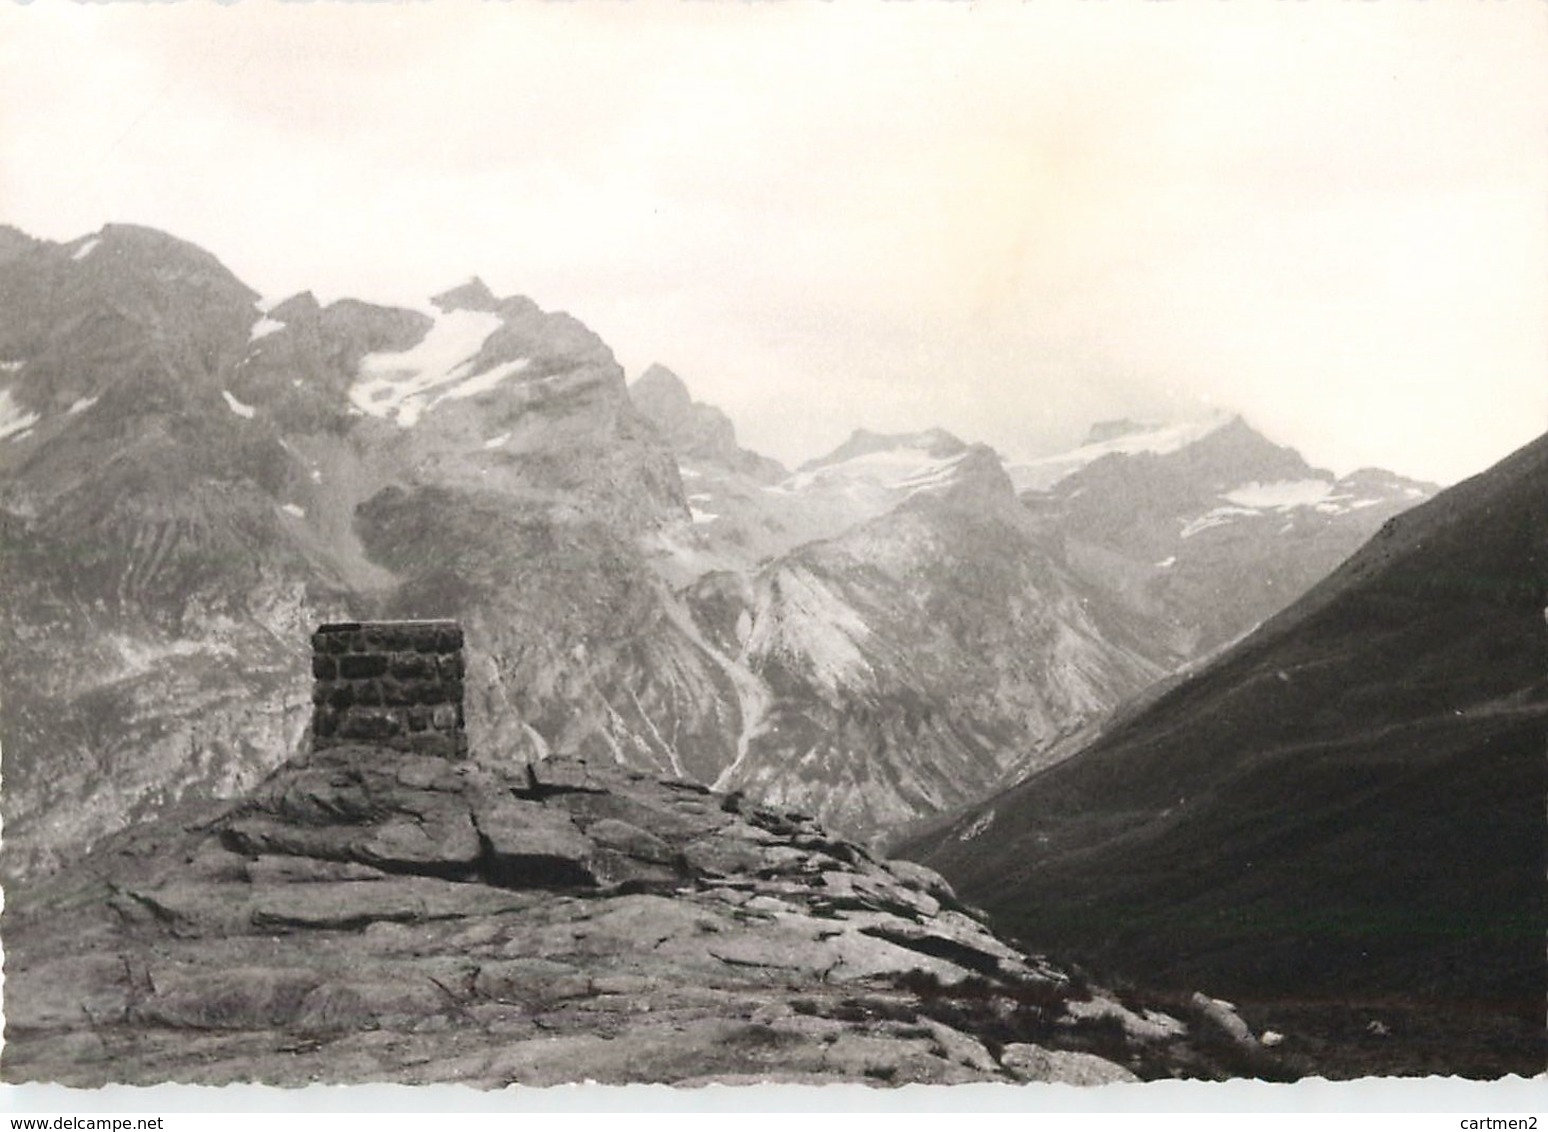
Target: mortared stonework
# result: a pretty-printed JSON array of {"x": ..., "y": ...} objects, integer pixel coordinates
[{"x": 394, "y": 683}]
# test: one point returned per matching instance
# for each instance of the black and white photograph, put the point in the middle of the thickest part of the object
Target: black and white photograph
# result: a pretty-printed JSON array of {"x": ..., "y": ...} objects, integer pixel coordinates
[{"x": 773, "y": 545}]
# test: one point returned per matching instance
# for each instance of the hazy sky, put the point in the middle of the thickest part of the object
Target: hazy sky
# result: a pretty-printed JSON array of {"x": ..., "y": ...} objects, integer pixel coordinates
[{"x": 1009, "y": 220}]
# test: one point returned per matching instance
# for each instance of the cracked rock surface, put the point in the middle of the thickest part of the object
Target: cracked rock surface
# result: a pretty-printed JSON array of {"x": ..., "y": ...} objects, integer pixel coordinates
[{"x": 368, "y": 915}]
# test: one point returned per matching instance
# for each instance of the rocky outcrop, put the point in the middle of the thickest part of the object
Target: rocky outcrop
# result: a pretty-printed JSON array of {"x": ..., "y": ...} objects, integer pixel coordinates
[
  {"x": 376, "y": 915},
  {"x": 696, "y": 432}
]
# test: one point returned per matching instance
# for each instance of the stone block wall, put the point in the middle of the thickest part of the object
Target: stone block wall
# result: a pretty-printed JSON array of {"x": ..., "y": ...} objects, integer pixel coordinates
[{"x": 397, "y": 684}]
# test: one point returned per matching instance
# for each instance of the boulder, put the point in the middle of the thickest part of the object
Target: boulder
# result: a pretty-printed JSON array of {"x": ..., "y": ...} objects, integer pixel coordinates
[
  {"x": 236, "y": 998},
  {"x": 528, "y": 845},
  {"x": 631, "y": 840},
  {"x": 921, "y": 877},
  {"x": 613, "y": 868},
  {"x": 439, "y": 840},
  {"x": 1060, "y": 1066},
  {"x": 722, "y": 856},
  {"x": 1224, "y": 1017},
  {"x": 892, "y": 1059},
  {"x": 957, "y": 1047},
  {"x": 361, "y": 1004}
]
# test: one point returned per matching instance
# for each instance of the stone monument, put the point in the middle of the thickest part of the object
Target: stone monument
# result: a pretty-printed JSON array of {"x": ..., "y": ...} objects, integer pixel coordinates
[{"x": 396, "y": 684}]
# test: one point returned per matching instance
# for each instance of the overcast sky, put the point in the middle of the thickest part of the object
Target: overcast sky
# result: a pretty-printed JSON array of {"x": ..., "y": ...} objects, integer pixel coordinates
[{"x": 1009, "y": 220}]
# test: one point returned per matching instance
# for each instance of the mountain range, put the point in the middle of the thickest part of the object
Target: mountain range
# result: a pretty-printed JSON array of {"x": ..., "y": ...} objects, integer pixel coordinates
[
  {"x": 191, "y": 479},
  {"x": 1173, "y": 705},
  {"x": 1339, "y": 821}
]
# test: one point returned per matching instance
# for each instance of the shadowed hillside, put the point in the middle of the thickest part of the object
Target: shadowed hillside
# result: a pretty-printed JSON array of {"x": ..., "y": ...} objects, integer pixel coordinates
[{"x": 1345, "y": 808}]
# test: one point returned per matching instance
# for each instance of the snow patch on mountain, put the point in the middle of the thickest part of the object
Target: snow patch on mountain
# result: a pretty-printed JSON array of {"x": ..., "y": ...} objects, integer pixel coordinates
[
  {"x": 1322, "y": 496},
  {"x": 1157, "y": 439},
  {"x": 263, "y": 328},
  {"x": 934, "y": 476},
  {"x": 483, "y": 382},
  {"x": 396, "y": 386},
  {"x": 496, "y": 441},
  {"x": 81, "y": 405},
  {"x": 87, "y": 248},
  {"x": 14, "y": 420},
  {"x": 293, "y": 509},
  {"x": 11, "y": 367},
  {"x": 909, "y": 469},
  {"x": 239, "y": 408},
  {"x": 1281, "y": 495},
  {"x": 1216, "y": 517}
]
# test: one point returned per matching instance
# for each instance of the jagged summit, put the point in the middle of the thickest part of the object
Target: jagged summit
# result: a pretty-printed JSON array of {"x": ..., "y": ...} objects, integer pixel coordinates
[
  {"x": 142, "y": 254},
  {"x": 298, "y": 307},
  {"x": 697, "y": 433},
  {"x": 661, "y": 395},
  {"x": 1236, "y": 452},
  {"x": 976, "y": 478},
  {"x": 474, "y": 295}
]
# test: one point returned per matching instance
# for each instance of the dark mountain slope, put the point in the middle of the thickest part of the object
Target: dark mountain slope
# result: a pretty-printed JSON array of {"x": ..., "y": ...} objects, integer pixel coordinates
[{"x": 1348, "y": 806}]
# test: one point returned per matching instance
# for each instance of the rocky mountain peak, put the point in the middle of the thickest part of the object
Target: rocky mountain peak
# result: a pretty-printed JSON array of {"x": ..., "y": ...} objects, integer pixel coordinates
[
  {"x": 150, "y": 257},
  {"x": 474, "y": 295},
  {"x": 1213, "y": 460},
  {"x": 978, "y": 479},
  {"x": 302, "y": 307},
  {"x": 661, "y": 395},
  {"x": 696, "y": 432},
  {"x": 1238, "y": 450},
  {"x": 129, "y": 312},
  {"x": 14, "y": 242}
]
